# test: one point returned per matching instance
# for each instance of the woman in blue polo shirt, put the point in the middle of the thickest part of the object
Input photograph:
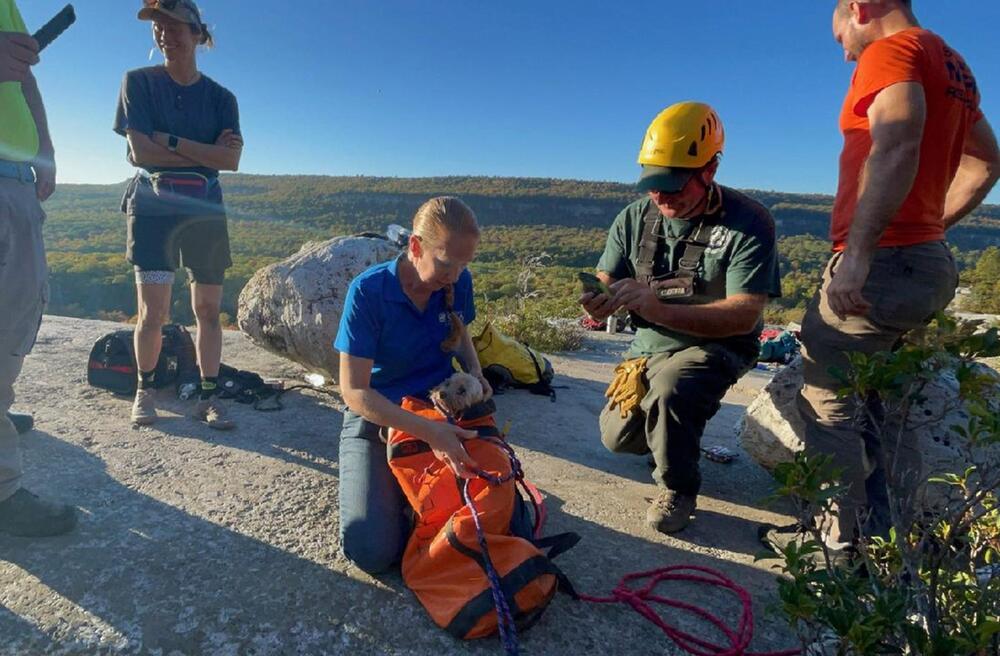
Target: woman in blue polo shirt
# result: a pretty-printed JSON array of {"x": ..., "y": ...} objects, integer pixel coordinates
[{"x": 403, "y": 321}]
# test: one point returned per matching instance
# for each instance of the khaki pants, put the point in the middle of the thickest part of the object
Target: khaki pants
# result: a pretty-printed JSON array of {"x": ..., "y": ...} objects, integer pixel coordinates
[
  {"x": 906, "y": 287},
  {"x": 684, "y": 391},
  {"x": 10, "y": 450},
  {"x": 23, "y": 293}
]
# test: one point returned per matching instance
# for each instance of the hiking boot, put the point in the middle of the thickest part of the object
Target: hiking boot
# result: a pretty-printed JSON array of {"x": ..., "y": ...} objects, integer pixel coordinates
[
  {"x": 213, "y": 414},
  {"x": 22, "y": 423},
  {"x": 144, "y": 408},
  {"x": 25, "y": 515},
  {"x": 671, "y": 511}
]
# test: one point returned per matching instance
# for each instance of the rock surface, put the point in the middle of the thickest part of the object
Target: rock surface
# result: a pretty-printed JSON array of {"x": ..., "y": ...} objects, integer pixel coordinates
[
  {"x": 772, "y": 428},
  {"x": 293, "y": 307},
  {"x": 199, "y": 542}
]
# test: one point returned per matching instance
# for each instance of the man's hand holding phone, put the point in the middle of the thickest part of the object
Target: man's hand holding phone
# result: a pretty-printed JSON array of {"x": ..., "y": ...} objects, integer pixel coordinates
[
  {"x": 596, "y": 299},
  {"x": 18, "y": 53}
]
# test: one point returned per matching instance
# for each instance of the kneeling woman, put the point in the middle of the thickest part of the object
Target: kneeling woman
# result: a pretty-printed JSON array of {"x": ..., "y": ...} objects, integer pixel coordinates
[{"x": 403, "y": 322}]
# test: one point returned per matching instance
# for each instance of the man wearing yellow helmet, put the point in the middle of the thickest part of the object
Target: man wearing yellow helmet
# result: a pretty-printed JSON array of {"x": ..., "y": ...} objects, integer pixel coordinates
[{"x": 694, "y": 263}]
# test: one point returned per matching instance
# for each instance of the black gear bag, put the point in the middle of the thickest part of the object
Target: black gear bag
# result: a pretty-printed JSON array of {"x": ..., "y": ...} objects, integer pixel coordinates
[{"x": 112, "y": 364}]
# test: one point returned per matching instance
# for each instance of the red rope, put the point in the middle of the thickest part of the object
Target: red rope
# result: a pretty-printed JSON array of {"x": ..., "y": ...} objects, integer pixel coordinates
[{"x": 739, "y": 640}]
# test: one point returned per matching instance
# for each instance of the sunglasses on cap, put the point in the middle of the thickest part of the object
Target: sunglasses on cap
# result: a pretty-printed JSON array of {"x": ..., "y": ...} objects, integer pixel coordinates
[{"x": 171, "y": 5}]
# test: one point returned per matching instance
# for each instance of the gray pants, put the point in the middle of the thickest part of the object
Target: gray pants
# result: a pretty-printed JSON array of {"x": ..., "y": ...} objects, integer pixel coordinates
[
  {"x": 906, "y": 287},
  {"x": 23, "y": 293},
  {"x": 684, "y": 391}
]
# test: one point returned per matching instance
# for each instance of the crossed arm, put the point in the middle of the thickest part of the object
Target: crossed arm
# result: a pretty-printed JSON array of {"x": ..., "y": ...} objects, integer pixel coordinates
[{"x": 223, "y": 155}]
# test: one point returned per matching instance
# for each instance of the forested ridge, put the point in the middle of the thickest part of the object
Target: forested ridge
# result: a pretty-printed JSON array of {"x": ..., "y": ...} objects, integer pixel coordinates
[{"x": 562, "y": 222}]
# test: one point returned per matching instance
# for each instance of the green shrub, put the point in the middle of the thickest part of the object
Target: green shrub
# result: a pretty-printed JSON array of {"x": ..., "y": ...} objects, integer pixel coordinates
[
  {"x": 531, "y": 322},
  {"x": 932, "y": 586}
]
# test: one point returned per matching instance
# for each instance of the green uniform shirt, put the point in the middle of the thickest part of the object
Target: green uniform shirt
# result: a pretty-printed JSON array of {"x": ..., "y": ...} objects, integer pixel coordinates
[
  {"x": 741, "y": 259},
  {"x": 18, "y": 132}
]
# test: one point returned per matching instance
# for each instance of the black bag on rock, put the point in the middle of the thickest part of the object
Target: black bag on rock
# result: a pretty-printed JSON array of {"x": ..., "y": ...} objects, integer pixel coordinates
[{"x": 112, "y": 364}]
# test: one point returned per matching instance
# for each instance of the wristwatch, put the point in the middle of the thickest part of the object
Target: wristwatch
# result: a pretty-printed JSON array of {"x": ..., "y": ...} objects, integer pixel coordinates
[{"x": 172, "y": 142}]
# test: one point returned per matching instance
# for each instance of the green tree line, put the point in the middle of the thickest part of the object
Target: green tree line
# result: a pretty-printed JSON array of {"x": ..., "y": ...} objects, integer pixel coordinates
[{"x": 566, "y": 220}]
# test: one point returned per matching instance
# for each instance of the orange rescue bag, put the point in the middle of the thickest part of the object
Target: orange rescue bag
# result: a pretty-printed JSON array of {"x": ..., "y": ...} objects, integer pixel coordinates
[{"x": 443, "y": 564}]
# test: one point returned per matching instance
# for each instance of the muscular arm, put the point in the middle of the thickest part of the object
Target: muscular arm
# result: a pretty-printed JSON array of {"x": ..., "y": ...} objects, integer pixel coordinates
[
  {"x": 729, "y": 317},
  {"x": 897, "y": 118},
  {"x": 978, "y": 172}
]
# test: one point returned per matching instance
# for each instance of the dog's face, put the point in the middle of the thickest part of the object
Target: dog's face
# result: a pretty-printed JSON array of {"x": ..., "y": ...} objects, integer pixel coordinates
[{"x": 460, "y": 392}]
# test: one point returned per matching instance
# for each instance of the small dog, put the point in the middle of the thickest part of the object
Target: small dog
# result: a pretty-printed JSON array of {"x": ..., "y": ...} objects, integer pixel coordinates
[{"x": 458, "y": 393}]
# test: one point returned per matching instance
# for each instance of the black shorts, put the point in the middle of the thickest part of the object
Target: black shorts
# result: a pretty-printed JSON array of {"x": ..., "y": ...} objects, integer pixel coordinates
[{"x": 164, "y": 235}]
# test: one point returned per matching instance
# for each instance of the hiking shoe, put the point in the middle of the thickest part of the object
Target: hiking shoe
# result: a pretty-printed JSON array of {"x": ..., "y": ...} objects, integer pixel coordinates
[
  {"x": 776, "y": 539},
  {"x": 213, "y": 414},
  {"x": 22, "y": 423},
  {"x": 671, "y": 511},
  {"x": 25, "y": 515},
  {"x": 144, "y": 408}
]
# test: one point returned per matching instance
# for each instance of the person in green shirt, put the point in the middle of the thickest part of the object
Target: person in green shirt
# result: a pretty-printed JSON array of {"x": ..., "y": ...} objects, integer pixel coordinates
[
  {"x": 27, "y": 176},
  {"x": 694, "y": 263}
]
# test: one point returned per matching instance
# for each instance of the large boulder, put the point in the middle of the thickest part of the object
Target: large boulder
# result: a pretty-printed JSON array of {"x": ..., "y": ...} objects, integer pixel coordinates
[
  {"x": 293, "y": 307},
  {"x": 771, "y": 430}
]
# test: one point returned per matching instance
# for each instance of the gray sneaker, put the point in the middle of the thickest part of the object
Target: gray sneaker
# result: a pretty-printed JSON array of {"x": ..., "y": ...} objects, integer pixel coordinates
[
  {"x": 670, "y": 511},
  {"x": 213, "y": 414},
  {"x": 144, "y": 408},
  {"x": 25, "y": 515},
  {"x": 777, "y": 539}
]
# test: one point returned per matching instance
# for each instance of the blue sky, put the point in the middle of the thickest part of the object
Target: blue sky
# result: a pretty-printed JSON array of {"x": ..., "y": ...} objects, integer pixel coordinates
[{"x": 518, "y": 88}]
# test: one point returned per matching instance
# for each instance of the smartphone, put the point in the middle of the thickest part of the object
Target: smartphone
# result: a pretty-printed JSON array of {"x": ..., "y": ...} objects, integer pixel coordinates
[
  {"x": 48, "y": 32},
  {"x": 592, "y": 284}
]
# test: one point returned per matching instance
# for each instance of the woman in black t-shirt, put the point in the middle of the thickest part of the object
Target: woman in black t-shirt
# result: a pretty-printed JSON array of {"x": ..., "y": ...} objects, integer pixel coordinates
[{"x": 182, "y": 129}]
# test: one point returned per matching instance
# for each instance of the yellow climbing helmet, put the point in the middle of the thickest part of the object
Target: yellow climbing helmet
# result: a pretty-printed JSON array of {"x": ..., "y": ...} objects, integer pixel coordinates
[{"x": 681, "y": 139}]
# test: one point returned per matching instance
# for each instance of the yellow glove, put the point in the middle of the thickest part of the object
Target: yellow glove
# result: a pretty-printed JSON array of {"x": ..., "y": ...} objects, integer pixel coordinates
[{"x": 627, "y": 389}]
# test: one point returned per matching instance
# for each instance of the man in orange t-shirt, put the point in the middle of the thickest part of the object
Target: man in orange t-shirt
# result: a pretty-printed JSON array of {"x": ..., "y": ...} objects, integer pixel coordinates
[{"x": 918, "y": 156}]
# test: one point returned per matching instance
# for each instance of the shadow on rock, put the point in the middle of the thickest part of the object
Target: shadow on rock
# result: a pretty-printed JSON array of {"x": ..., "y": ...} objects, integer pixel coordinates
[
  {"x": 141, "y": 575},
  {"x": 305, "y": 432}
]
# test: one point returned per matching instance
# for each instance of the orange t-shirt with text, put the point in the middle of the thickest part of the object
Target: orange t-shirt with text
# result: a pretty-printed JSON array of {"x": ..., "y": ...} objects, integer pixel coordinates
[{"x": 913, "y": 55}]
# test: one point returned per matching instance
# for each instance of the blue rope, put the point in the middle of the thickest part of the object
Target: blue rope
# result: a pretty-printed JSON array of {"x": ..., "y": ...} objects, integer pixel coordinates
[{"x": 505, "y": 619}]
